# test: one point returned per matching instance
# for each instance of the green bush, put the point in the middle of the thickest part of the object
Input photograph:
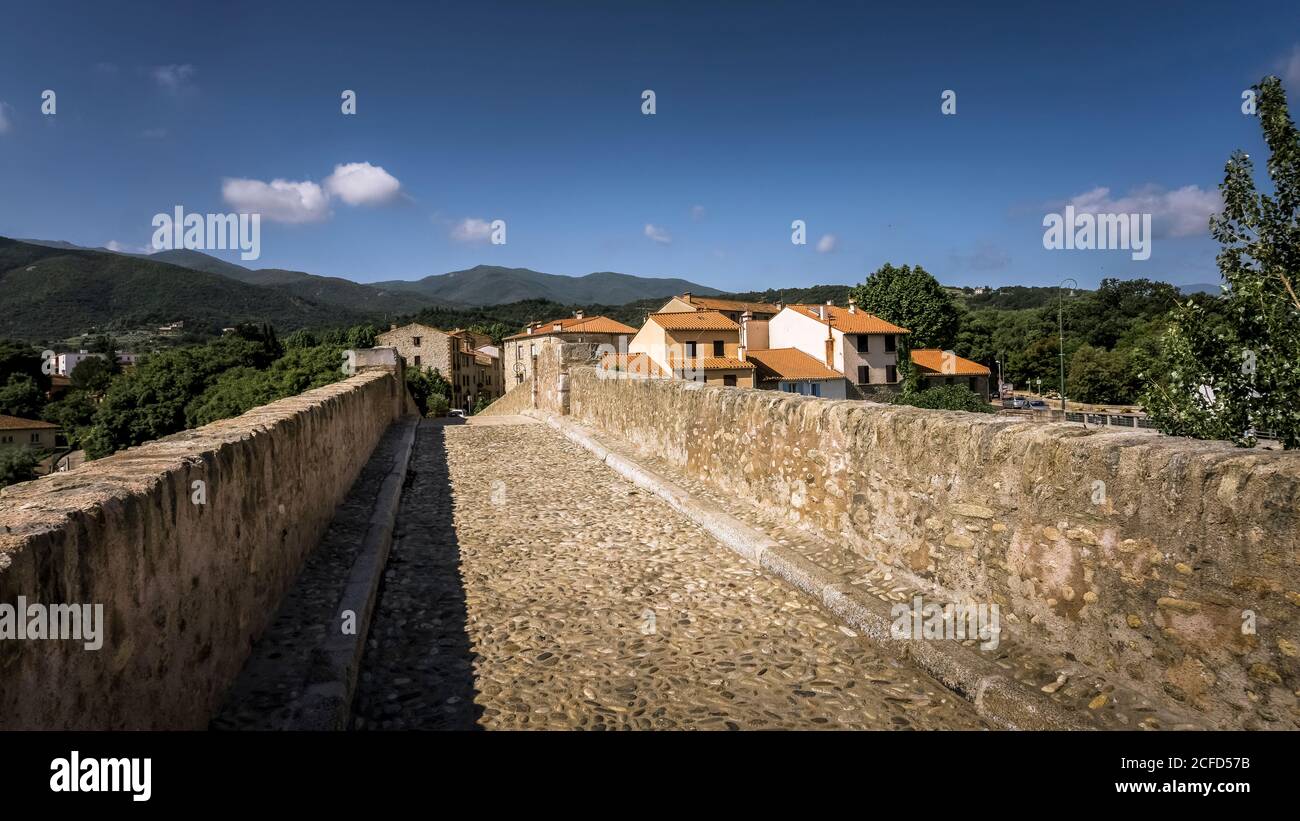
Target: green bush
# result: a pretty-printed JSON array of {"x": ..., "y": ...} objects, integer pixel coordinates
[
  {"x": 946, "y": 397},
  {"x": 438, "y": 406}
]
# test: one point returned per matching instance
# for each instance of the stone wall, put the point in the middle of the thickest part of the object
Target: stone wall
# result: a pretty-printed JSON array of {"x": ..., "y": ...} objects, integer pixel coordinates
[
  {"x": 185, "y": 587},
  {"x": 1168, "y": 564}
]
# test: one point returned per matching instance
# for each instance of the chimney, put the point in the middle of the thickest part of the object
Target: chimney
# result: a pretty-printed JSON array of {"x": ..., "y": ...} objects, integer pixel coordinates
[
  {"x": 744, "y": 330},
  {"x": 740, "y": 352},
  {"x": 558, "y": 326},
  {"x": 853, "y": 305},
  {"x": 821, "y": 312},
  {"x": 577, "y": 314},
  {"x": 686, "y": 297},
  {"x": 530, "y": 327}
]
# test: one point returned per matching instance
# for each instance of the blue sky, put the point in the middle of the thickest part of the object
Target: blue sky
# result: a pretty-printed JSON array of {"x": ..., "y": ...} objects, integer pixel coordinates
[{"x": 531, "y": 113}]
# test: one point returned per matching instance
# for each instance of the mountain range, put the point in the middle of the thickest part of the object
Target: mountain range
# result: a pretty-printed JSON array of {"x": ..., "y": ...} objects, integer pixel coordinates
[{"x": 51, "y": 289}]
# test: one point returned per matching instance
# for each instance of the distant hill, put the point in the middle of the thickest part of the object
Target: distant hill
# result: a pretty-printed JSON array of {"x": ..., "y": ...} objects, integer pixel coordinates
[
  {"x": 48, "y": 292},
  {"x": 1213, "y": 289},
  {"x": 493, "y": 285}
]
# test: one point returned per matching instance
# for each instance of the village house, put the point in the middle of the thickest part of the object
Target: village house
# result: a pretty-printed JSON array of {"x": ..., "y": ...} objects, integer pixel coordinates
[
  {"x": 703, "y": 345},
  {"x": 792, "y": 371},
  {"x": 455, "y": 355},
  {"x": 935, "y": 367},
  {"x": 520, "y": 348},
  {"x": 860, "y": 346},
  {"x": 27, "y": 433}
]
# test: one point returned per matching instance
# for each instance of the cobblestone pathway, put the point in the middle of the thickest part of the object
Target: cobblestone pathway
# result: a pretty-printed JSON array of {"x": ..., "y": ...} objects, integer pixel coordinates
[{"x": 537, "y": 589}]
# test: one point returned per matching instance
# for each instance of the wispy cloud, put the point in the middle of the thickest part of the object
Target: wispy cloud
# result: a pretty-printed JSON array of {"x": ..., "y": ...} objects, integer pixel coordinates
[
  {"x": 1291, "y": 71},
  {"x": 1182, "y": 212},
  {"x": 828, "y": 243},
  {"x": 121, "y": 248},
  {"x": 6, "y": 124},
  {"x": 697, "y": 212},
  {"x": 471, "y": 229},
  {"x": 658, "y": 233},
  {"x": 154, "y": 133},
  {"x": 173, "y": 79},
  {"x": 985, "y": 257}
]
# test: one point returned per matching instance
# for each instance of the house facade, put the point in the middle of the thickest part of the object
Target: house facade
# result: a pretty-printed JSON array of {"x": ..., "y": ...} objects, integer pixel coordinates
[
  {"x": 455, "y": 355},
  {"x": 27, "y": 433},
  {"x": 701, "y": 345},
  {"x": 860, "y": 346},
  {"x": 790, "y": 370},
  {"x": 519, "y": 349},
  {"x": 935, "y": 367}
]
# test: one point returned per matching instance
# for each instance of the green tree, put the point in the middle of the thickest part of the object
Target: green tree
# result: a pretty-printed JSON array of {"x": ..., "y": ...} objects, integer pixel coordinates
[
  {"x": 94, "y": 374},
  {"x": 912, "y": 298},
  {"x": 73, "y": 413},
  {"x": 1099, "y": 376},
  {"x": 21, "y": 396},
  {"x": 16, "y": 464},
  {"x": 1229, "y": 379}
]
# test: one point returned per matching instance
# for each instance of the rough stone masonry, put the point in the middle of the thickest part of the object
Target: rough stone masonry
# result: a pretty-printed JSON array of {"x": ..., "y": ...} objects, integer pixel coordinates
[{"x": 1170, "y": 565}]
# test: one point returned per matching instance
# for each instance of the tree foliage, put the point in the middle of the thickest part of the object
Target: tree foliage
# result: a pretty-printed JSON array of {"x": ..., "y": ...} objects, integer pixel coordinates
[
  {"x": 1231, "y": 376},
  {"x": 945, "y": 397},
  {"x": 912, "y": 298}
]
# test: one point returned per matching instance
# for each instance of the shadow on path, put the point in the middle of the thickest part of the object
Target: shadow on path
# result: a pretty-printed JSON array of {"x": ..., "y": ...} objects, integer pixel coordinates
[{"x": 418, "y": 672}]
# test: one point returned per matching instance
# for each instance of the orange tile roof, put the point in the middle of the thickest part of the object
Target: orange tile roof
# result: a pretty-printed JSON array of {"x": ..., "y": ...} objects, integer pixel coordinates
[
  {"x": 856, "y": 322},
  {"x": 573, "y": 325},
  {"x": 791, "y": 363},
  {"x": 18, "y": 423},
  {"x": 709, "y": 303},
  {"x": 693, "y": 321},
  {"x": 711, "y": 363},
  {"x": 930, "y": 361}
]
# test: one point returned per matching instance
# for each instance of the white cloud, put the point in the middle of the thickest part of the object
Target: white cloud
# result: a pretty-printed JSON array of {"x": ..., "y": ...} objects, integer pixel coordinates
[
  {"x": 279, "y": 200},
  {"x": 697, "y": 212},
  {"x": 5, "y": 125},
  {"x": 1183, "y": 212},
  {"x": 121, "y": 248},
  {"x": 1291, "y": 71},
  {"x": 658, "y": 234},
  {"x": 173, "y": 78},
  {"x": 471, "y": 229},
  {"x": 360, "y": 183},
  {"x": 827, "y": 243}
]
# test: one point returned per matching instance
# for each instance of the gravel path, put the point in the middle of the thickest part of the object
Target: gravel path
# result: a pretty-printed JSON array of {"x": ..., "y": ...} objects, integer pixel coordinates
[{"x": 531, "y": 587}]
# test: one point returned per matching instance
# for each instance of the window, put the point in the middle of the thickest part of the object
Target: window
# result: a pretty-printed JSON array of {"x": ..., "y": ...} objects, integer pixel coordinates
[
  {"x": 690, "y": 350},
  {"x": 891, "y": 343},
  {"x": 6, "y": 439},
  {"x": 863, "y": 343},
  {"x": 891, "y": 373},
  {"x": 728, "y": 380},
  {"x": 815, "y": 388},
  {"x": 970, "y": 383},
  {"x": 718, "y": 348},
  {"x": 415, "y": 342},
  {"x": 417, "y": 360},
  {"x": 36, "y": 437},
  {"x": 864, "y": 375}
]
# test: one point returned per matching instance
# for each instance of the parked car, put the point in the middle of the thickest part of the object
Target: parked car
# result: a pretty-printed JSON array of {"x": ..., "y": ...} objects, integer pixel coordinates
[
  {"x": 1036, "y": 405},
  {"x": 1013, "y": 402},
  {"x": 456, "y": 412}
]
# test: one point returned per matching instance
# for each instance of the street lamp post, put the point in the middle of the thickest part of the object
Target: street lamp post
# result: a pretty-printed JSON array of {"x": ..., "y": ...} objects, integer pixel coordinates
[{"x": 1060, "y": 329}]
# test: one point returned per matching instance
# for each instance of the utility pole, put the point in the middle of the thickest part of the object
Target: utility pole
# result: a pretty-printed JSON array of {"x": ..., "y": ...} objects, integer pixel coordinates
[{"x": 1060, "y": 328}]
